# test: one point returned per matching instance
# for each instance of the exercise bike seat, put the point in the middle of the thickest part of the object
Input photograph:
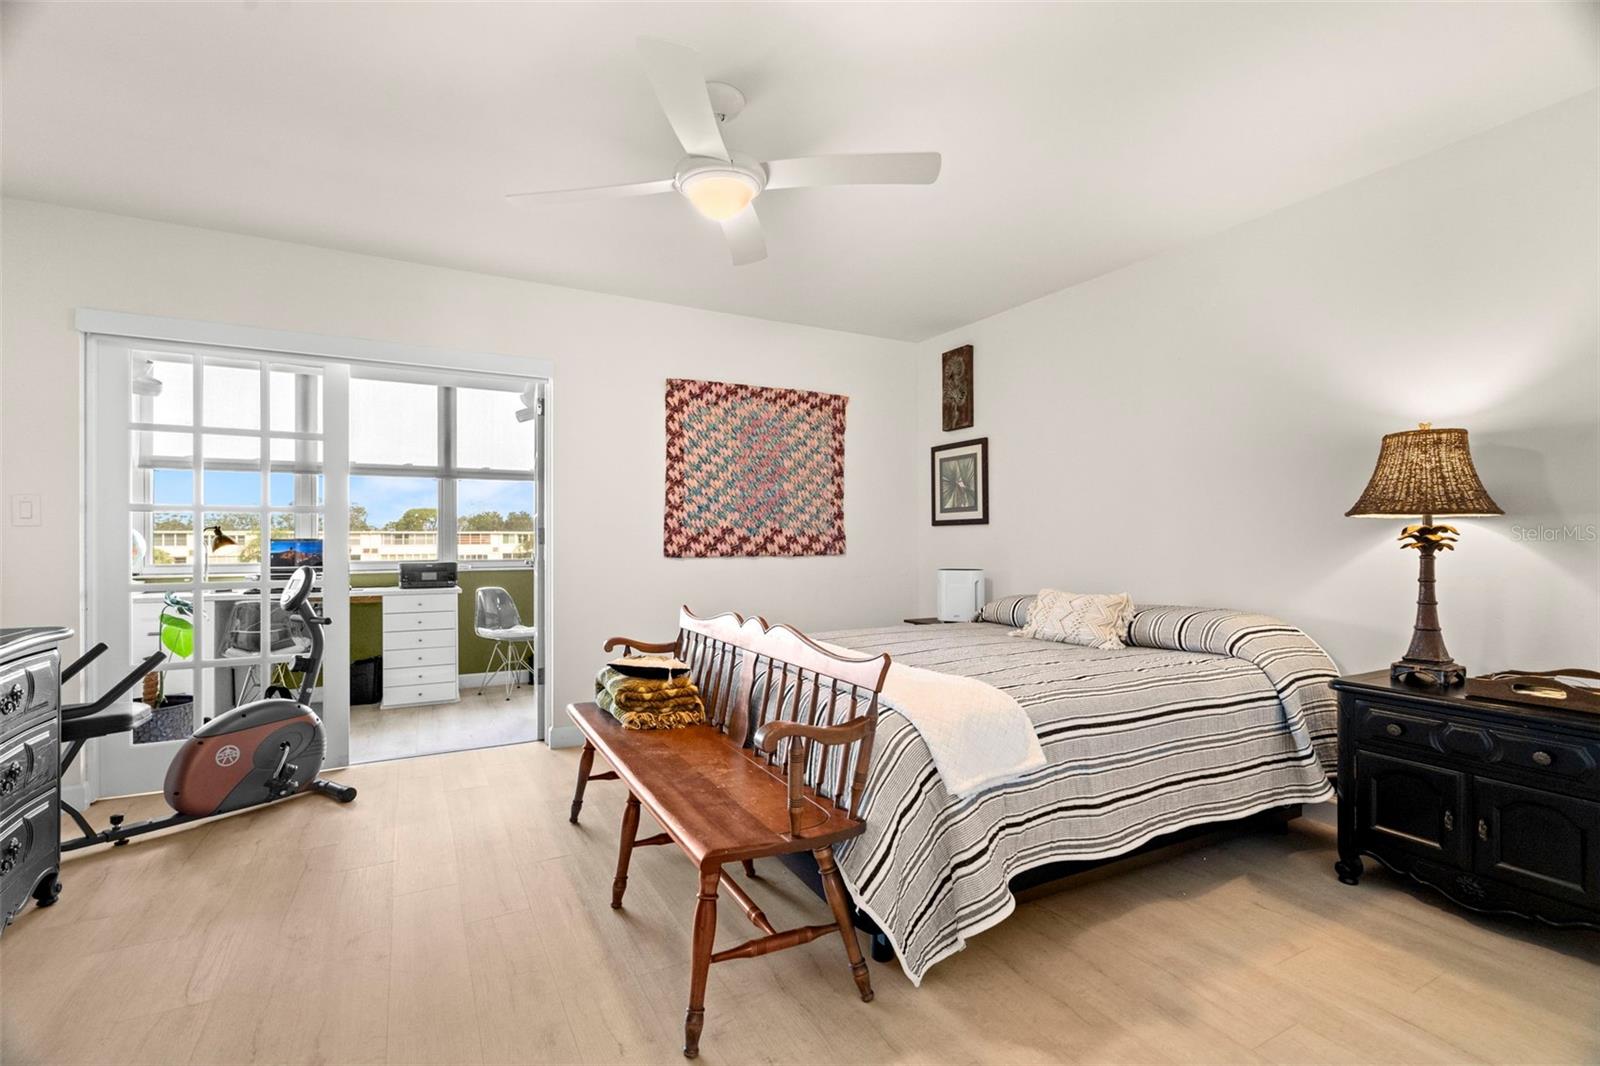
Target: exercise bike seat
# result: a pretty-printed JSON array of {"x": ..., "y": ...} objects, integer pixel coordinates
[{"x": 88, "y": 722}]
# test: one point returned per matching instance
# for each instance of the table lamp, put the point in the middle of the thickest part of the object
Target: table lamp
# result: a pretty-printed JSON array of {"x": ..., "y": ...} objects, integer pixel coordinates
[{"x": 1425, "y": 472}]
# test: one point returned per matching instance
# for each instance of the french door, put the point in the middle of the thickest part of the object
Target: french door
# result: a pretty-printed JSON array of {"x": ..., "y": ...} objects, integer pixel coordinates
[{"x": 206, "y": 481}]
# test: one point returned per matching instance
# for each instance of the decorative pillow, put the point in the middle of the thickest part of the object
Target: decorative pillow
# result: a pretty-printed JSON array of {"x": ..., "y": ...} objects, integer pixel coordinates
[
  {"x": 1094, "y": 621},
  {"x": 1011, "y": 611}
]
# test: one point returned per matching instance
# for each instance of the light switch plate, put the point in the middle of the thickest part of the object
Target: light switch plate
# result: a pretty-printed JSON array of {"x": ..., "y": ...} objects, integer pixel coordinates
[{"x": 26, "y": 509}]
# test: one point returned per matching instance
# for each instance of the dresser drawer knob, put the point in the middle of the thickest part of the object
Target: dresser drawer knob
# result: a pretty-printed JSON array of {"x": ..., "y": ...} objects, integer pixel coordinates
[
  {"x": 1483, "y": 829},
  {"x": 1542, "y": 758},
  {"x": 1394, "y": 729},
  {"x": 1449, "y": 821}
]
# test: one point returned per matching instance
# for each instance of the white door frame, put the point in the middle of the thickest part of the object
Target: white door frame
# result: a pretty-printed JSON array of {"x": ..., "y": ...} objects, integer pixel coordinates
[
  {"x": 120, "y": 765},
  {"x": 92, "y": 322}
]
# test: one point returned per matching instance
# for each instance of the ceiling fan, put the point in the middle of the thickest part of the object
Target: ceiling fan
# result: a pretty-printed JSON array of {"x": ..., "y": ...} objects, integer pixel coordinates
[{"x": 718, "y": 183}]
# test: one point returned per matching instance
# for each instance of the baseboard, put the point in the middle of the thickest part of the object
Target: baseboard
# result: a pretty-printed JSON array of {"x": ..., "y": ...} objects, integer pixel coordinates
[
  {"x": 77, "y": 794},
  {"x": 564, "y": 736},
  {"x": 476, "y": 681}
]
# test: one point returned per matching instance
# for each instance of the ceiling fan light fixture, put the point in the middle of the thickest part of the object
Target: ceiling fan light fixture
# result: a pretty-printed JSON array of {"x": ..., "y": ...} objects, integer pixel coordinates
[
  {"x": 719, "y": 184},
  {"x": 719, "y": 191}
]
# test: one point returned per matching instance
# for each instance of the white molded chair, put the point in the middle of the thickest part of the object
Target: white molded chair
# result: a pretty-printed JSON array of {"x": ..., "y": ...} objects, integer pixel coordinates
[{"x": 495, "y": 617}]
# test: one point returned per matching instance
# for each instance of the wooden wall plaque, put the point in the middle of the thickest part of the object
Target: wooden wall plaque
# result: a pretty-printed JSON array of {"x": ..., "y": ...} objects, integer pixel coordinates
[{"x": 957, "y": 376}]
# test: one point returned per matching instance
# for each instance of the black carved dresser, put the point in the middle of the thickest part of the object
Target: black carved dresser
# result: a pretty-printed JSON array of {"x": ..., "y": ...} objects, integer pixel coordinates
[
  {"x": 30, "y": 747},
  {"x": 1496, "y": 805}
]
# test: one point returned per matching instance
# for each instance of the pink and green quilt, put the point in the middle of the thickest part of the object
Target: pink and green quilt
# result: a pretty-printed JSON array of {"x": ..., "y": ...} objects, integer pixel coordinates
[{"x": 753, "y": 471}]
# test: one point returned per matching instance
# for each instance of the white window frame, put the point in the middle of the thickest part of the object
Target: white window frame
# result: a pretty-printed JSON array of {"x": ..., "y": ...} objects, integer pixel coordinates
[{"x": 445, "y": 471}]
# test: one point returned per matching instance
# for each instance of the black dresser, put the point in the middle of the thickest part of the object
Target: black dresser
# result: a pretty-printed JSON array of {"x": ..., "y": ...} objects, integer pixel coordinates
[
  {"x": 30, "y": 745},
  {"x": 1494, "y": 804}
]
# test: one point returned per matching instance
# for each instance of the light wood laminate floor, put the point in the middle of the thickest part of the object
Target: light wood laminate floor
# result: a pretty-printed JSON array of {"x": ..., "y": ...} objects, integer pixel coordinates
[{"x": 452, "y": 915}]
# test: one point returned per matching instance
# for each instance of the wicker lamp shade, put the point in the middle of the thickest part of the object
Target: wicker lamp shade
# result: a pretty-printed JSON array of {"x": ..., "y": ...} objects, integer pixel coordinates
[{"x": 1424, "y": 471}]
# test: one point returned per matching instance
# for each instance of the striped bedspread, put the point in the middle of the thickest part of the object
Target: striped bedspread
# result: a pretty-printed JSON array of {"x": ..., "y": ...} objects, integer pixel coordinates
[{"x": 1216, "y": 715}]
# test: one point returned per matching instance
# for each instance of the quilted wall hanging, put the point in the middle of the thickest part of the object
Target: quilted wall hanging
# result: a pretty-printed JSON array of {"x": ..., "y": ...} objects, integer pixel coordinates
[{"x": 753, "y": 471}]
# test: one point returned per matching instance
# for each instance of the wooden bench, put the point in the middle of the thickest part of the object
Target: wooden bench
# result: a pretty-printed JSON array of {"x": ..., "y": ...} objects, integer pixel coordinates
[{"x": 778, "y": 769}]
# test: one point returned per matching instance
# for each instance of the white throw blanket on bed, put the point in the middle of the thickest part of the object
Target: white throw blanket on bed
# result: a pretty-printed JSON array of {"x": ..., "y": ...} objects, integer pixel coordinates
[{"x": 978, "y": 735}]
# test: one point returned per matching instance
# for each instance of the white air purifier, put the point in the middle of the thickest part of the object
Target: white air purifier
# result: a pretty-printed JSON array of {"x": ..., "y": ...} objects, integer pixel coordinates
[{"x": 959, "y": 594}]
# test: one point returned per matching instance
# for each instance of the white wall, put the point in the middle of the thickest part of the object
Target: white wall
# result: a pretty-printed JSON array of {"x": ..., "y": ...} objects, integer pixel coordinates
[
  {"x": 612, "y": 359},
  {"x": 1192, "y": 428},
  {"x": 1189, "y": 429}
]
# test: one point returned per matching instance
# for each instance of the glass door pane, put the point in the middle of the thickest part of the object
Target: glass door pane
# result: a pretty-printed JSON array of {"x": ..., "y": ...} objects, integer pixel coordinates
[
  {"x": 396, "y": 519},
  {"x": 490, "y": 435},
  {"x": 494, "y": 521},
  {"x": 222, "y": 454}
]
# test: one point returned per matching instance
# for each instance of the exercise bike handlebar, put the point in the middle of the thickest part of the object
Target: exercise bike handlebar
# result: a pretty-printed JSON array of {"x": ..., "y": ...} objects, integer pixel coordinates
[
  {"x": 116, "y": 691},
  {"x": 83, "y": 660}
]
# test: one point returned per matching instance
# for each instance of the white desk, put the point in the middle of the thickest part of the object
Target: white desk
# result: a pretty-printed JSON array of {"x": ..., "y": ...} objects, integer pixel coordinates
[{"x": 420, "y": 656}]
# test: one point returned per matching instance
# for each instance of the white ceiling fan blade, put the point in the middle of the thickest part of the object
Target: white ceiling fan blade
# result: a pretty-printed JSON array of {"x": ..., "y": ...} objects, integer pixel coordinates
[
  {"x": 745, "y": 239},
  {"x": 887, "y": 168},
  {"x": 680, "y": 83},
  {"x": 598, "y": 192}
]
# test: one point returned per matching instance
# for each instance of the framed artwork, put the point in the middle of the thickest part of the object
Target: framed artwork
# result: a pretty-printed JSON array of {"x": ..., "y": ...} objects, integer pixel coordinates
[
  {"x": 753, "y": 471},
  {"x": 957, "y": 376},
  {"x": 961, "y": 483}
]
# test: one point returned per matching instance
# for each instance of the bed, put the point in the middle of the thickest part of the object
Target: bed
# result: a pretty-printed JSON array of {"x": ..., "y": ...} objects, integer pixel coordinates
[{"x": 1208, "y": 716}]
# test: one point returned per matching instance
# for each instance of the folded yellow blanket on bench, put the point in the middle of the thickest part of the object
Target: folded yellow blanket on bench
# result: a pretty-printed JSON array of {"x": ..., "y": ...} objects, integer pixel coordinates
[{"x": 648, "y": 703}]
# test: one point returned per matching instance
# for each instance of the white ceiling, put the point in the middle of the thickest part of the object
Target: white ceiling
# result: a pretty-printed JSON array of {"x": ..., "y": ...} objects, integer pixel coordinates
[{"x": 1076, "y": 138}]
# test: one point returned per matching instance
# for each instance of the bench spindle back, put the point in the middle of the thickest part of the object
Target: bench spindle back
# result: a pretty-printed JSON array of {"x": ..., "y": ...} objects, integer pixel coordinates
[
  {"x": 752, "y": 675},
  {"x": 818, "y": 709}
]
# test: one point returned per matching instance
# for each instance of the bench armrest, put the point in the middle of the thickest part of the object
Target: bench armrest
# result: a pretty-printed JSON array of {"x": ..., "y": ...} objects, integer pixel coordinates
[
  {"x": 770, "y": 733},
  {"x": 767, "y": 737},
  {"x": 629, "y": 644}
]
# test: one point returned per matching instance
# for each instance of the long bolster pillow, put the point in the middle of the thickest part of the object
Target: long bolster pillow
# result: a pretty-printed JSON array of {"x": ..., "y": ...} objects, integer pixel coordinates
[{"x": 1296, "y": 665}]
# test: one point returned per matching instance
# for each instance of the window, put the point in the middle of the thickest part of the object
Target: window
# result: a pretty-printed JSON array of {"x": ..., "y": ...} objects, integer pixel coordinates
[
  {"x": 440, "y": 470},
  {"x": 256, "y": 421},
  {"x": 441, "y": 467},
  {"x": 393, "y": 423},
  {"x": 489, "y": 435},
  {"x": 494, "y": 521}
]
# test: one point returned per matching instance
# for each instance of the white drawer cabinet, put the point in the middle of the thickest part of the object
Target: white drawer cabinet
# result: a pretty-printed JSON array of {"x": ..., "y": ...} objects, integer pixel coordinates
[
  {"x": 402, "y": 657},
  {"x": 406, "y": 696},
  {"x": 420, "y": 658},
  {"x": 424, "y": 638},
  {"x": 429, "y": 601},
  {"x": 407, "y": 676}
]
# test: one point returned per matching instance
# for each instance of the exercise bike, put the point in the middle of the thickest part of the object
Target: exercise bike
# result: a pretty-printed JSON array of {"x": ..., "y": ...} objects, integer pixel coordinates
[{"x": 256, "y": 753}]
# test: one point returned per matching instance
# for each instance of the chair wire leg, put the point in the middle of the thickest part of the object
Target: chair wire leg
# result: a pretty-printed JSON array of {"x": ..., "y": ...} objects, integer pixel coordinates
[
  {"x": 520, "y": 664},
  {"x": 511, "y": 667},
  {"x": 496, "y": 664},
  {"x": 244, "y": 690}
]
